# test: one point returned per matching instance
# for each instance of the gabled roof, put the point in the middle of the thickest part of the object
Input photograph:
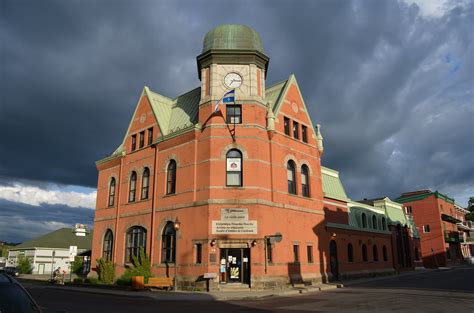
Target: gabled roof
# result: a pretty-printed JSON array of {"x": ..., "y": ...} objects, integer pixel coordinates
[
  {"x": 175, "y": 114},
  {"x": 274, "y": 92},
  {"x": 61, "y": 238},
  {"x": 281, "y": 89},
  {"x": 172, "y": 115},
  {"x": 332, "y": 185}
]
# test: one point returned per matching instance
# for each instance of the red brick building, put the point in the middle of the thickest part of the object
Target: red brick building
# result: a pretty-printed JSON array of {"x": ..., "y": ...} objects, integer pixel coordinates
[
  {"x": 440, "y": 225},
  {"x": 244, "y": 183}
]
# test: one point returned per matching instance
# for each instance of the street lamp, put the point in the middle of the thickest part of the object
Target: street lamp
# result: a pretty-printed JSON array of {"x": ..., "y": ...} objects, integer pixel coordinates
[{"x": 176, "y": 226}]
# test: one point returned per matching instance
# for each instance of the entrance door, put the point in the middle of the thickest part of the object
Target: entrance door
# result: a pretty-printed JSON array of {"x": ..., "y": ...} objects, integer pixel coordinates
[
  {"x": 333, "y": 259},
  {"x": 41, "y": 269},
  {"x": 235, "y": 264}
]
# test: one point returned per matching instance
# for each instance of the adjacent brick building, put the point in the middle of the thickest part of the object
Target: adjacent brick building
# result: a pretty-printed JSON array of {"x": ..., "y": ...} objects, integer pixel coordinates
[
  {"x": 440, "y": 222},
  {"x": 238, "y": 192}
]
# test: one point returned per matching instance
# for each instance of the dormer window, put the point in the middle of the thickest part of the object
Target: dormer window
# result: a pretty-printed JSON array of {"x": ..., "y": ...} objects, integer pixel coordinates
[
  {"x": 150, "y": 136},
  {"x": 286, "y": 122},
  {"x": 304, "y": 133},
  {"x": 296, "y": 130},
  {"x": 134, "y": 142},
  {"x": 142, "y": 139}
]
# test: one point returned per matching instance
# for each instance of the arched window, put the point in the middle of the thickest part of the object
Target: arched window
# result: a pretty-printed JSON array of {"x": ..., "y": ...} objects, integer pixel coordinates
[
  {"x": 234, "y": 168},
  {"x": 305, "y": 181},
  {"x": 364, "y": 220},
  {"x": 133, "y": 187},
  {"x": 171, "y": 178},
  {"x": 374, "y": 222},
  {"x": 108, "y": 245},
  {"x": 384, "y": 252},
  {"x": 291, "y": 174},
  {"x": 376, "y": 253},
  {"x": 384, "y": 223},
  {"x": 112, "y": 192},
  {"x": 168, "y": 245},
  {"x": 136, "y": 240},
  {"x": 350, "y": 253},
  {"x": 145, "y": 183},
  {"x": 364, "y": 253}
]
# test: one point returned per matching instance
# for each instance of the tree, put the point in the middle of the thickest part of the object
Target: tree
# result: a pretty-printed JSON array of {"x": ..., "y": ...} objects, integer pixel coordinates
[
  {"x": 76, "y": 266},
  {"x": 106, "y": 271},
  {"x": 470, "y": 207},
  {"x": 24, "y": 265},
  {"x": 141, "y": 267}
]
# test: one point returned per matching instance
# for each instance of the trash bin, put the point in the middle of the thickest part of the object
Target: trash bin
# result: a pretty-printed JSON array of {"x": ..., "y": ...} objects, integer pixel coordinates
[{"x": 138, "y": 282}]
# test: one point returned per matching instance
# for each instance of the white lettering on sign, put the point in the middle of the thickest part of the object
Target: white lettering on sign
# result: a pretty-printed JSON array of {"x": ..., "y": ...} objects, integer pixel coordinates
[
  {"x": 234, "y": 214},
  {"x": 231, "y": 227}
]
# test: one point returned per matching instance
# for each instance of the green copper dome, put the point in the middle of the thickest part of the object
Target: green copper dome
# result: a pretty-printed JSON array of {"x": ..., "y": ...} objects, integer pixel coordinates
[{"x": 232, "y": 37}]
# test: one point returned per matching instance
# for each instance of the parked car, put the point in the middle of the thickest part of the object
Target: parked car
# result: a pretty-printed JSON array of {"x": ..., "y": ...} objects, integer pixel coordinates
[
  {"x": 12, "y": 271},
  {"x": 14, "y": 298}
]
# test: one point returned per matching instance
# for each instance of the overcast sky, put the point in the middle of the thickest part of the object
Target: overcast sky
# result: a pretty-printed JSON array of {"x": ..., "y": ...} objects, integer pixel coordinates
[{"x": 391, "y": 83}]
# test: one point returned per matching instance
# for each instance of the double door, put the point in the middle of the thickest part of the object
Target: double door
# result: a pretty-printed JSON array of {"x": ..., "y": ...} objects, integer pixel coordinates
[{"x": 235, "y": 265}]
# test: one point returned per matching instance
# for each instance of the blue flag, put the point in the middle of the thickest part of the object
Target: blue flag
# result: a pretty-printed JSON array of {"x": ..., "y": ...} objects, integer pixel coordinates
[{"x": 229, "y": 97}]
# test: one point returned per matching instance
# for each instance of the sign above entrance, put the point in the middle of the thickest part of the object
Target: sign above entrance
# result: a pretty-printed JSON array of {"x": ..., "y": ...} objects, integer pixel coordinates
[
  {"x": 231, "y": 227},
  {"x": 234, "y": 221},
  {"x": 234, "y": 214}
]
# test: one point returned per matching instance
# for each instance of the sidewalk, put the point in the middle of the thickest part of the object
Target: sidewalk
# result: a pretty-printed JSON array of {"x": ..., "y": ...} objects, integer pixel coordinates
[
  {"x": 199, "y": 295},
  {"x": 229, "y": 295}
]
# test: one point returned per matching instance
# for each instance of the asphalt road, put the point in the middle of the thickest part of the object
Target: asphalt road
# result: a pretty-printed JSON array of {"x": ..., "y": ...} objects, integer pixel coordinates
[{"x": 439, "y": 291}]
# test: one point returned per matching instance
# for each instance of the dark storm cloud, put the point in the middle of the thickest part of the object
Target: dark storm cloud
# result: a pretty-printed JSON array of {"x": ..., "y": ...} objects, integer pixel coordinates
[
  {"x": 392, "y": 89},
  {"x": 20, "y": 222}
]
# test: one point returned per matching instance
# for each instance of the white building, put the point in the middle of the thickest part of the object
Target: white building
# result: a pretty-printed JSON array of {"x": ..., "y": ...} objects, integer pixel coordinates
[{"x": 52, "y": 250}]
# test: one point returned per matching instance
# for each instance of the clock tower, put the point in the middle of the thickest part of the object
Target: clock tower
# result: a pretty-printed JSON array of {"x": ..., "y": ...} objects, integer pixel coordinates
[{"x": 232, "y": 58}]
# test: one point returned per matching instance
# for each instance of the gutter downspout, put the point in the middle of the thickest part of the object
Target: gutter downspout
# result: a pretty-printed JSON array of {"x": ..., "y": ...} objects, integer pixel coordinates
[
  {"x": 152, "y": 226},
  {"x": 117, "y": 217}
]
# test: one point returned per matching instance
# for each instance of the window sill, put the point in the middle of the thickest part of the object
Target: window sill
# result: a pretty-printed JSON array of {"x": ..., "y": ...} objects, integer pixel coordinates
[
  {"x": 139, "y": 201},
  {"x": 298, "y": 196},
  {"x": 140, "y": 149},
  {"x": 169, "y": 195},
  {"x": 296, "y": 139}
]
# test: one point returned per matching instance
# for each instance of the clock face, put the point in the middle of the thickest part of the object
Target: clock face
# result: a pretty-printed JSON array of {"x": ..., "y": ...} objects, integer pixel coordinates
[{"x": 233, "y": 80}]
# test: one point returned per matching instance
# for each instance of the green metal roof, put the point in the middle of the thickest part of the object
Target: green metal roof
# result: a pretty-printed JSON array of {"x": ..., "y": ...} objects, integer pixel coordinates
[
  {"x": 394, "y": 212},
  {"x": 437, "y": 194},
  {"x": 274, "y": 92},
  {"x": 61, "y": 238},
  {"x": 395, "y": 216},
  {"x": 232, "y": 37},
  {"x": 332, "y": 185},
  {"x": 175, "y": 114}
]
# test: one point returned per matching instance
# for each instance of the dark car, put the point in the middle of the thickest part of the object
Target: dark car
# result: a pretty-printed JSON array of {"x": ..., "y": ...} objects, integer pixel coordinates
[
  {"x": 14, "y": 298},
  {"x": 12, "y": 271}
]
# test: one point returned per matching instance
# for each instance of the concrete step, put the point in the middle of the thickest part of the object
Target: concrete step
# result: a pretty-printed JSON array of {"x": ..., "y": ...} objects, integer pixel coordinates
[{"x": 233, "y": 287}]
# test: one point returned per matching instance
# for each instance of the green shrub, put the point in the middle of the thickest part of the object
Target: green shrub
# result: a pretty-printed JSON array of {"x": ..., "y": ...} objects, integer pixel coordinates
[
  {"x": 106, "y": 271},
  {"x": 141, "y": 267},
  {"x": 78, "y": 280},
  {"x": 76, "y": 266},
  {"x": 24, "y": 265},
  {"x": 91, "y": 280},
  {"x": 124, "y": 281}
]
